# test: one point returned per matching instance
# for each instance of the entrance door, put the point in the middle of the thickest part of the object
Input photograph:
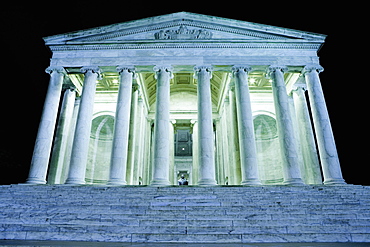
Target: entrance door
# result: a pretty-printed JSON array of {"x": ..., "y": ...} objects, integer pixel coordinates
[{"x": 183, "y": 143}]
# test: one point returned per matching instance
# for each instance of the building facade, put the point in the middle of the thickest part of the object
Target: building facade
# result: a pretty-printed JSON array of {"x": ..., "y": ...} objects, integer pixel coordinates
[{"x": 220, "y": 101}]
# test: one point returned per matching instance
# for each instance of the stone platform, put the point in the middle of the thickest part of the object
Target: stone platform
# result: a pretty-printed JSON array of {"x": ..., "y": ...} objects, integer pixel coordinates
[{"x": 185, "y": 214}]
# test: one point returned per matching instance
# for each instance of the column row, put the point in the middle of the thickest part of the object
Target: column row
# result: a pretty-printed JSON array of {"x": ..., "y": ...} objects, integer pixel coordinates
[{"x": 161, "y": 161}]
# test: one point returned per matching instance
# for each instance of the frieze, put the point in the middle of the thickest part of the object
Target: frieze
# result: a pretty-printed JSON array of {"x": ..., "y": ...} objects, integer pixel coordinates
[
  {"x": 183, "y": 33},
  {"x": 243, "y": 45}
]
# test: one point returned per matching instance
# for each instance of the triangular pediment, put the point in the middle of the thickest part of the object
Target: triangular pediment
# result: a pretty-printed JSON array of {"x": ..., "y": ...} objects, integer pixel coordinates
[{"x": 183, "y": 27}]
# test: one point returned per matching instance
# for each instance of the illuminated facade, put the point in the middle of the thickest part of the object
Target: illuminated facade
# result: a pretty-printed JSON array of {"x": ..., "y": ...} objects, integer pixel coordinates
[{"x": 221, "y": 101}]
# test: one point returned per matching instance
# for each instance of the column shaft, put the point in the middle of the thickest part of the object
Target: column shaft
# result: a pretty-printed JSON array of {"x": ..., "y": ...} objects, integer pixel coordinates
[
  {"x": 71, "y": 134},
  {"x": 288, "y": 148},
  {"x": 248, "y": 151},
  {"x": 233, "y": 137},
  {"x": 161, "y": 161},
  {"x": 121, "y": 128},
  {"x": 77, "y": 169},
  {"x": 61, "y": 138},
  {"x": 207, "y": 173},
  {"x": 311, "y": 161},
  {"x": 195, "y": 151},
  {"x": 44, "y": 139},
  {"x": 133, "y": 135},
  {"x": 324, "y": 134}
]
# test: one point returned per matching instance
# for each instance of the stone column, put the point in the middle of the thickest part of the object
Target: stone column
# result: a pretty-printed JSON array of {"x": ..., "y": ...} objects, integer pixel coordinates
[
  {"x": 61, "y": 138},
  {"x": 121, "y": 128},
  {"x": 324, "y": 134},
  {"x": 140, "y": 141},
  {"x": 133, "y": 134},
  {"x": 44, "y": 139},
  {"x": 233, "y": 137},
  {"x": 195, "y": 151},
  {"x": 206, "y": 161},
  {"x": 248, "y": 151},
  {"x": 81, "y": 139},
  {"x": 288, "y": 148},
  {"x": 161, "y": 160},
  {"x": 71, "y": 134},
  {"x": 311, "y": 161},
  {"x": 171, "y": 128}
]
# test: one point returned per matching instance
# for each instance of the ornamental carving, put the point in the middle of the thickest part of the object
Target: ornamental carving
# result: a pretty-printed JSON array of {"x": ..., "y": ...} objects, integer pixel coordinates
[{"x": 183, "y": 33}]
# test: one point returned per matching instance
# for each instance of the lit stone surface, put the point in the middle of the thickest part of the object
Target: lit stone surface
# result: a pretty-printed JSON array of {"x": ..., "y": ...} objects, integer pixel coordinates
[
  {"x": 311, "y": 160},
  {"x": 239, "y": 125},
  {"x": 41, "y": 153},
  {"x": 121, "y": 128},
  {"x": 328, "y": 152},
  {"x": 59, "y": 153},
  {"x": 81, "y": 139},
  {"x": 216, "y": 214},
  {"x": 205, "y": 127},
  {"x": 161, "y": 161},
  {"x": 288, "y": 144},
  {"x": 241, "y": 135},
  {"x": 248, "y": 154}
]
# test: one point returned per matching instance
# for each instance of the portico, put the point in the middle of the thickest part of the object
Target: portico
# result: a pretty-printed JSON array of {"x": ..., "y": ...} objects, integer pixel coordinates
[{"x": 139, "y": 95}]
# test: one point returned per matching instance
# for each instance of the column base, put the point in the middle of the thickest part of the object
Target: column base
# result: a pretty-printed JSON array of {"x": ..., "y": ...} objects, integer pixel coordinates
[
  {"x": 115, "y": 181},
  {"x": 74, "y": 181},
  {"x": 252, "y": 181},
  {"x": 293, "y": 181},
  {"x": 334, "y": 181},
  {"x": 160, "y": 182},
  {"x": 207, "y": 182},
  {"x": 31, "y": 181}
]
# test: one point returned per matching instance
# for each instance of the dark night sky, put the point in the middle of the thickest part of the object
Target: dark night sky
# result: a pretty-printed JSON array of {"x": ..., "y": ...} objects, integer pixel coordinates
[{"x": 25, "y": 57}]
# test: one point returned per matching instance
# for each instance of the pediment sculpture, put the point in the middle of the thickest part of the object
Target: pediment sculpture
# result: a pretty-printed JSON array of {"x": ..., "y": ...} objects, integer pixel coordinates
[{"x": 183, "y": 33}]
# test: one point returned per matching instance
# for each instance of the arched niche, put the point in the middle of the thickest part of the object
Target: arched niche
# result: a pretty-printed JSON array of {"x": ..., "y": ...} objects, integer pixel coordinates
[
  {"x": 100, "y": 147},
  {"x": 268, "y": 149}
]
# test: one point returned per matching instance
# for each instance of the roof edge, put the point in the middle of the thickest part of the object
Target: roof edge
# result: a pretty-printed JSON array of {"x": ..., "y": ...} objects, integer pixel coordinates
[{"x": 185, "y": 15}]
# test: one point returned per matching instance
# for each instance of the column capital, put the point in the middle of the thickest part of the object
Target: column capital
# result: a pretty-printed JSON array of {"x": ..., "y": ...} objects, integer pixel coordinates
[
  {"x": 203, "y": 67},
  {"x": 240, "y": 68},
  {"x": 121, "y": 68},
  {"x": 93, "y": 69},
  {"x": 297, "y": 86},
  {"x": 58, "y": 69},
  {"x": 69, "y": 87},
  {"x": 126, "y": 69},
  {"x": 274, "y": 68},
  {"x": 160, "y": 68},
  {"x": 312, "y": 67},
  {"x": 198, "y": 69}
]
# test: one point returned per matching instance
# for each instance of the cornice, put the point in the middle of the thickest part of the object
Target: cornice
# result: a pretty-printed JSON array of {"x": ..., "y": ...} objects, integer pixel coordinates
[{"x": 181, "y": 45}]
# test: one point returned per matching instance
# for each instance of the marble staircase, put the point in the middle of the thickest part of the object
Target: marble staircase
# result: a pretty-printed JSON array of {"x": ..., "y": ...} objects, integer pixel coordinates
[{"x": 228, "y": 214}]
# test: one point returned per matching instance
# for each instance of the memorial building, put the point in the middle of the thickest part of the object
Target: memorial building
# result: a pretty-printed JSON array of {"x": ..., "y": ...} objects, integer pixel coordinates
[{"x": 218, "y": 101}]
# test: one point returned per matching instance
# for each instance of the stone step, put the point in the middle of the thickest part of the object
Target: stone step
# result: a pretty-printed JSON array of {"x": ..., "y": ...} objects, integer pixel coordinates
[
  {"x": 188, "y": 237},
  {"x": 122, "y": 229},
  {"x": 248, "y": 198},
  {"x": 190, "y": 214}
]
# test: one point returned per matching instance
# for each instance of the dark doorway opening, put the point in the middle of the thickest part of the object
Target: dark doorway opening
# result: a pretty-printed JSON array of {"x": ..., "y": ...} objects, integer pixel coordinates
[{"x": 183, "y": 142}]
